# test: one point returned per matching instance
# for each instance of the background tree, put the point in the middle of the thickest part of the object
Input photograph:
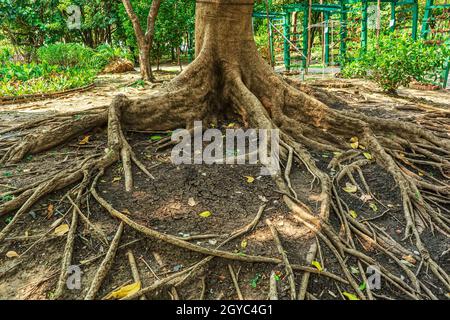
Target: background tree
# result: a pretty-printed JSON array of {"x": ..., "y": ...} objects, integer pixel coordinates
[{"x": 144, "y": 40}]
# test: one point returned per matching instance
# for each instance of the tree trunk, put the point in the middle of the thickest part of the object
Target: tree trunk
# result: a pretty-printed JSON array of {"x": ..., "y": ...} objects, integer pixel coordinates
[{"x": 144, "y": 63}]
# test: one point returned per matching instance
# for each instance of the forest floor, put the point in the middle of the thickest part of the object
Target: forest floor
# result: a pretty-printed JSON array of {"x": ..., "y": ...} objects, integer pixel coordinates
[{"x": 172, "y": 202}]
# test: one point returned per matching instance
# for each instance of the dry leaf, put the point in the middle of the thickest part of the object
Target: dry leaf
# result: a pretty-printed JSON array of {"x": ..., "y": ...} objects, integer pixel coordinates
[
  {"x": 350, "y": 188},
  {"x": 125, "y": 291},
  {"x": 61, "y": 230},
  {"x": 355, "y": 145},
  {"x": 85, "y": 140},
  {"x": 116, "y": 179},
  {"x": 12, "y": 254},
  {"x": 205, "y": 214},
  {"x": 244, "y": 244},
  {"x": 50, "y": 210},
  {"x": 410, "y": 259},
  {"x": 354, "y": 139},
  {"x": 191, "y": 202},
  {"x": 365, "y": 197},
  {"x": 317, "y": 265},
  {"x": 249, "y": 179}
]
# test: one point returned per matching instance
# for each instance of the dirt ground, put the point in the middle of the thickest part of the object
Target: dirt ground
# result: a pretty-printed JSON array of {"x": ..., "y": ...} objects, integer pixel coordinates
[{"x": 172, "y": 202}]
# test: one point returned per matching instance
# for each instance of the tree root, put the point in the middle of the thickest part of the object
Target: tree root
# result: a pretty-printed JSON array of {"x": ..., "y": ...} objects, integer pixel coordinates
[{"x": 305, "y": 123}]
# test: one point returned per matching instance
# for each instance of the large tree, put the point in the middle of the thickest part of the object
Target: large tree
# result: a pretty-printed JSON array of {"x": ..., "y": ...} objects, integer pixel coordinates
[{"x": 229, "y": 77}]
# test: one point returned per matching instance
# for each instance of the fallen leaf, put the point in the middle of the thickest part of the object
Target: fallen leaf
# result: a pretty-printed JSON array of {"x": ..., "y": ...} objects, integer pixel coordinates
[
  {"x": 410, "y": 259},
  {"x": 350, "y": 296},
  {"x": 317, "y": 265},
  {"x": 354, "y": 142},
  {"x": 85, "y": 140},
  {"x": 125, "y": 291},
  {"x": 365, "y": 197},
  {"x": 205, "y": 214},
  {"x": 126, "y": 211},
  {"x": 362, "y": 286},
  {"x": 249, "y": 179},
  {"x": 373, "y": 206},
  {"x": 115, "y": 179},
  {"x": 50, "y": 210},
  {"x": 231, "y": 125},
  {"x": 421, "y": 173},
  {"x": 362, "y": 147},
  {"x": 350, "y": 188},
  {"x": 191, "y": 202},
  {"x": 12, "y": 254},
  {"x": 354, "y": 270},
  {"x": 61, "y": 230},
  {"x": 367, "y": 155},
  {"x": 353, "y": 214},
  {"x": 244, "y": 244},
  {"x": 155, "y": 138}
]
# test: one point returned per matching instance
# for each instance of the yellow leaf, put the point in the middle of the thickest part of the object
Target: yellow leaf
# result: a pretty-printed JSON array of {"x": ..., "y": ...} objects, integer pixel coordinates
[
  {"x": 367, "y": 155},
  {"x": 350, "y": 296},
  {"x": 362, "y": 147},
  {"x": 249, "y": 179},
  {"x": 12, "y": 254},
  {"x": 205, "y": 214},
  {"x": 317, "y": 265},
  {"x": 350, "y": 188},
  {"x": 353, "y": 214},
  {"x": 244, "y": 244},
  {"x": 230, "y": 125},
  {"x": 421, "y": 173},
  {"x": 61, "y": 230},
  {"x": 354, "y": 139},
  {"x": 85, "y": 140},
  {"x": 125, "y": 291},
  {"x": 115, "y": 179},
  {"x": 355, "y": 145}
]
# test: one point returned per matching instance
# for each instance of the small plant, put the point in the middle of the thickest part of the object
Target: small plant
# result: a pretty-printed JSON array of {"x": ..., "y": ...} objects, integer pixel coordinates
[{"x": 395, "y": 61}]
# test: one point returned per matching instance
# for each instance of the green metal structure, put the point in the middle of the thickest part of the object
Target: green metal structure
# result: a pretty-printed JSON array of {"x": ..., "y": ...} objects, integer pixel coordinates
[{"x": 342, "y": 12}]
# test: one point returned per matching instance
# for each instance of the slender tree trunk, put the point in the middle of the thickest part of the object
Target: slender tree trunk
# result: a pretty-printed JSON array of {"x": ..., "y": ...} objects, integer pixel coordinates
[
  {"x": 144, "y": 40},
  {"x": 144, "y": 63}
]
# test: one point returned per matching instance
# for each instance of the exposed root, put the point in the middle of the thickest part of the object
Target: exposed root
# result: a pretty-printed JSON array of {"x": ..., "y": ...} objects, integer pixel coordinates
[{"x": 306, "y": 123}]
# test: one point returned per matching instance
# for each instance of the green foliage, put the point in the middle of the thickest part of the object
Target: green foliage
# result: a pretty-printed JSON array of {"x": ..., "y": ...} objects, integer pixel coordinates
[
  {"x": 78, "y": 55},
  {"x": 395, "y": 61}
]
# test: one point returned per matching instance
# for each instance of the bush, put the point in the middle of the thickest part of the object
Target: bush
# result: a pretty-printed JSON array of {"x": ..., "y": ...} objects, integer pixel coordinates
[
  {"x": 66, "y": 55},
  {"x": 77, "y": 55},
  {"x": 395, "y": 61}
]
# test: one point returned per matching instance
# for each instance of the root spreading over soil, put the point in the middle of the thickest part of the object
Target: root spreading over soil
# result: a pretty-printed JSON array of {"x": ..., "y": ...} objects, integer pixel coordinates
[{"x": 374, "y": 162}]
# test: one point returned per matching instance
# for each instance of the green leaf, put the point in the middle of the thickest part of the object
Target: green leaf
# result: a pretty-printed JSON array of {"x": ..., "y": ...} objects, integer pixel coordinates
[
  {"x": 353, "y": 214},
  {"x": 255, "y": 280},
  {"x": 373, "y": 206},
  {"x": 155, "y": 138},
  {"x": 205, "y": 214},
  {"x": 317, "y": 265}
]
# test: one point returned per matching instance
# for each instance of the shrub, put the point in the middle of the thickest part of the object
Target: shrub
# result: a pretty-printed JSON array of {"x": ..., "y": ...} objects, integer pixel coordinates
[
  {"x": 395, "y": 61},
  {"x": 74, "y": 54},
  {"x": 67, "y": 55}
]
